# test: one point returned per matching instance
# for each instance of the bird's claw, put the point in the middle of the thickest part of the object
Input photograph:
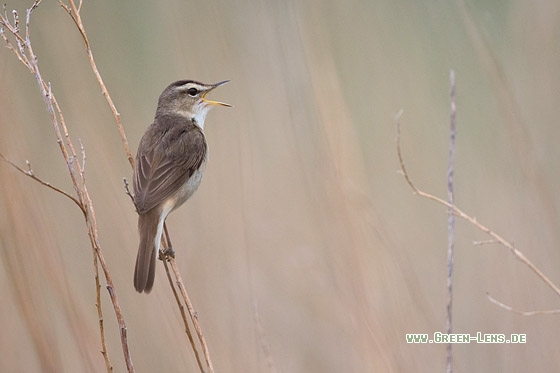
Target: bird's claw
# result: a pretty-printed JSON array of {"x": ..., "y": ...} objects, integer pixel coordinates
[{"x": 166, "y": 254}]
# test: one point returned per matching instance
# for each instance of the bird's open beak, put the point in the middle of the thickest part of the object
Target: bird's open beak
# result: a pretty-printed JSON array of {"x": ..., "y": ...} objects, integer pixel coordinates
[{"x": 210, "y": 102}]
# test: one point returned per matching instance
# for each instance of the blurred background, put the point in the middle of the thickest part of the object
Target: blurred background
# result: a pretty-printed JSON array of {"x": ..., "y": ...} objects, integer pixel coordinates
[{"x": 303, "y": 250}]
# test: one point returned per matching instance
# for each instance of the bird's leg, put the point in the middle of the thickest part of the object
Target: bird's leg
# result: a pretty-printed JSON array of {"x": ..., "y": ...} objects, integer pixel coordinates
[{"x": 168, "y": 252}]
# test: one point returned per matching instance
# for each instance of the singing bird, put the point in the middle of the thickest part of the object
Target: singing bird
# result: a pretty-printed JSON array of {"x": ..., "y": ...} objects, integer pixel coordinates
[{"x": 170, "y": 162}]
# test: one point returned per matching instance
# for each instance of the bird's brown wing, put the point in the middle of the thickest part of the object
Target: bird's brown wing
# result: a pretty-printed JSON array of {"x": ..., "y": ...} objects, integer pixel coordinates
[{"x": 166, "y": 159}]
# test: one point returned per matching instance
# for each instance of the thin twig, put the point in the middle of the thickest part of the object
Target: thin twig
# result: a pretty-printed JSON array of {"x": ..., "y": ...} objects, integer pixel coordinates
[
  {"x": 170, "y": 257},
  {"x": 30, "y": 173},
  {"x": 522, "y": 313},
  {"x": 127, "y": 190},
  {"x": 100, "y": 314},
  {"x": 183, "y": 315},
  {"x": 192, "y": 313},
  {"x": 15, "y": 32},
  {"x": 63, "y": 125},
  {"x": 450, "y": 224},
  {"x": 74, "y": 13},
  {"x": 94, "y": 239}
]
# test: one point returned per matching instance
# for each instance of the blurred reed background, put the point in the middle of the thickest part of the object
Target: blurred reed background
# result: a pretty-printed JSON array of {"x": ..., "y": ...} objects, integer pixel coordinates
[{"x": 303, "y": 250}]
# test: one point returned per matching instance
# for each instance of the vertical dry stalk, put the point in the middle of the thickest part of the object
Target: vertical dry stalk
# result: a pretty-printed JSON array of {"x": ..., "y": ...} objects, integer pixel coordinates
[
  {"x": 183, "y": 315},
  {"x": 450, "y": 224},
  {"x": 100, "y": 315},
  {"x": 26, "y": 55},
  {"x": 193, "y": 315},
  {"x": 170, "y": 258}
]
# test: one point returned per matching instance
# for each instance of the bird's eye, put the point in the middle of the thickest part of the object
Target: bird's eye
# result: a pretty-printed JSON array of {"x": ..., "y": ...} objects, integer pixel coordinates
[{"x": 192, "y": 92}]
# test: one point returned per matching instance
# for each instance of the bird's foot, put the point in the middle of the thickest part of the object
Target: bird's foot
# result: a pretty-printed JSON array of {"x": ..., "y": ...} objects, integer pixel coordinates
[{"x": 166, "y": 254}]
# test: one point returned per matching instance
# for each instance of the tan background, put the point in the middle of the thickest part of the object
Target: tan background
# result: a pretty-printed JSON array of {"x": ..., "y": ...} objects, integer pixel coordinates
[{"x": 303, "y": 250}]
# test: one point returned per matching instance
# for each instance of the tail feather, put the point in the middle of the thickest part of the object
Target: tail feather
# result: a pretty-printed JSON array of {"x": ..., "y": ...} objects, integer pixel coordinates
[{"x": 145, "y": 270}]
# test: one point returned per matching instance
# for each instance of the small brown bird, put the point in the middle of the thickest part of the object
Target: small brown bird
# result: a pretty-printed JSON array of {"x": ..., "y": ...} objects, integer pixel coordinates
[{"x": 170, "y": 163}]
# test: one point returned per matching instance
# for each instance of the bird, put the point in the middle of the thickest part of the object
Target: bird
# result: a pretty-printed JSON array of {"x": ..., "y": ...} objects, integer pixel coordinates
[{"x": 170, "y": 163}]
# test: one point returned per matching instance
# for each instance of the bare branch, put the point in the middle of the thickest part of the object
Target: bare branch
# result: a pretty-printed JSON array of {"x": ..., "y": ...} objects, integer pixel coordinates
[
  {"x": 108, "y": 365},
  {"x": 168, "y": 256},
  {"x": 27, "y": 56},
  {"x": 192, "y": 313},
  {"x": 183, "y": 315},
  {"x": 30, "y": 173},
  {"x": 127, "y": 190},
  {"x": 74, "y": 13},
  {"x": 14, "y": 31}
]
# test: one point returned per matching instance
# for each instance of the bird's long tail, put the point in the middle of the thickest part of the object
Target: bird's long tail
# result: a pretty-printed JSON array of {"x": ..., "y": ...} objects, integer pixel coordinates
[{"x": 145, "y": 271}]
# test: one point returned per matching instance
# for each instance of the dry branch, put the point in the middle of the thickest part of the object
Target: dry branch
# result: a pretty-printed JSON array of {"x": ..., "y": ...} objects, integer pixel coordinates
[
  {"x": 32, "y": 175},
  {"x": 25, "y": 54},
  {"x": 74, "y": 13},
  {"x": 183, "y": 314},
  {"x": 193, "y": 315}
]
